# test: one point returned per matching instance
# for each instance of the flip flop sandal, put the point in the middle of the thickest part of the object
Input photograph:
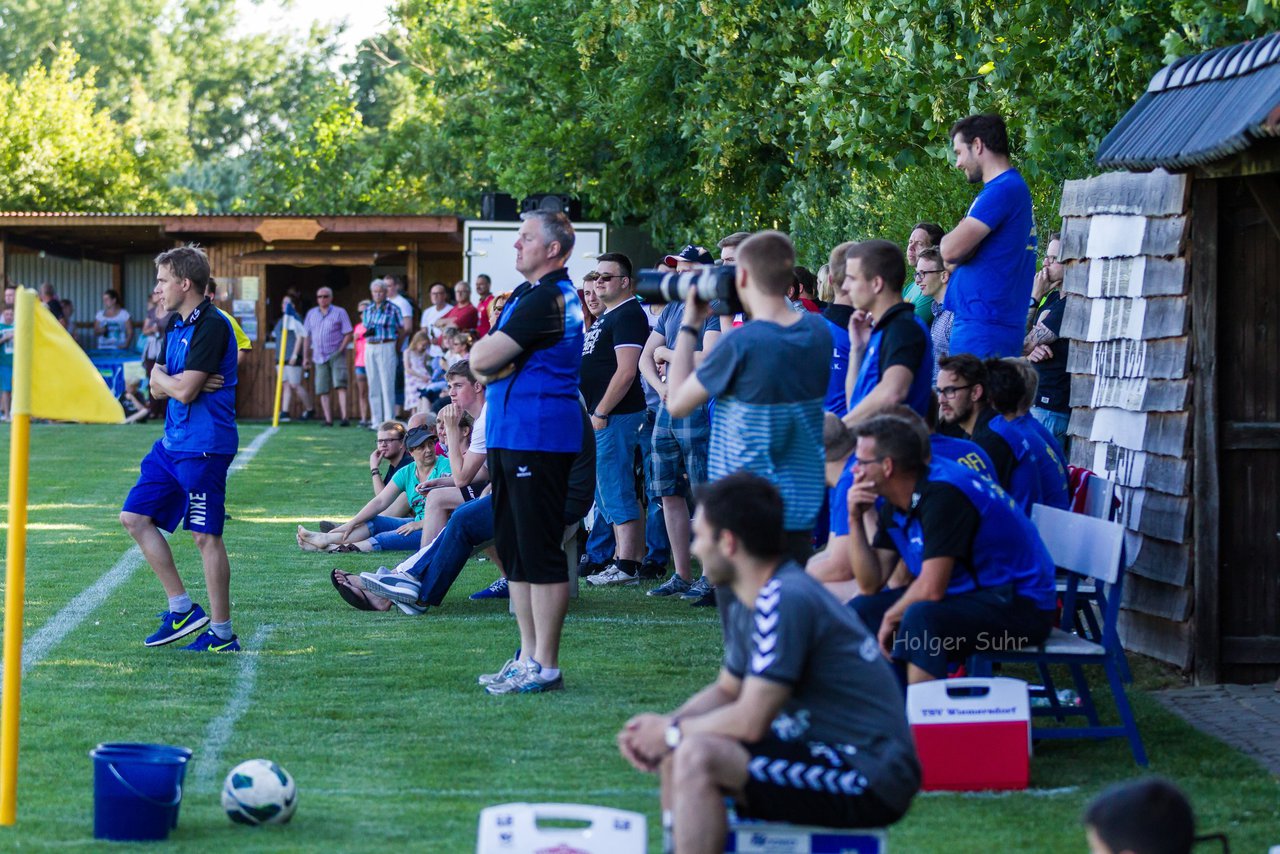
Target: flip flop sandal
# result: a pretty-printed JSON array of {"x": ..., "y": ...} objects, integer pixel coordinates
[
  {"x": 353, "y": 596},
  {"x": 344, "y": 548}
]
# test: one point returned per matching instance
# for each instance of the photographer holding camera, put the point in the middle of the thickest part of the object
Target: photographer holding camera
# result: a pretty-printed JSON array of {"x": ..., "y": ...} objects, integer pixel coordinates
[{"x": 769, "y": 380}]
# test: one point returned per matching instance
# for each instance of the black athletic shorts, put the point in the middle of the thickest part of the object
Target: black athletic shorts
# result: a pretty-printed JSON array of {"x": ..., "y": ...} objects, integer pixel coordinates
[
  {"x": 529, "y": 493},
  {"x": 809, "y": 782}
]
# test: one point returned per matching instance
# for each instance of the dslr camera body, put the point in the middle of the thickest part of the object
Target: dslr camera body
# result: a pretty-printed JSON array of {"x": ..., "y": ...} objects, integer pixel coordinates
[{"x": 711, "y": 284}]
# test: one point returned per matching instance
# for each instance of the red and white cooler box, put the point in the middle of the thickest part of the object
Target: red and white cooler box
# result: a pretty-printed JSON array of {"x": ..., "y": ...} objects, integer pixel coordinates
[{"x": 972, "y": 734}]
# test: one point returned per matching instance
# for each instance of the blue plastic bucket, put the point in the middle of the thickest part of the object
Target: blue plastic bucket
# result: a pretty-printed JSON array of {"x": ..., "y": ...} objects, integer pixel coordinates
[
  {"x": 138, "y": 747},
  {"x": 137, "y": 789}
]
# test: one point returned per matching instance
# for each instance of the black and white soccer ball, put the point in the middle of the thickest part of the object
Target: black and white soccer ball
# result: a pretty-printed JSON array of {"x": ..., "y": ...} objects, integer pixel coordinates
[{"x": 259, "y": 792}]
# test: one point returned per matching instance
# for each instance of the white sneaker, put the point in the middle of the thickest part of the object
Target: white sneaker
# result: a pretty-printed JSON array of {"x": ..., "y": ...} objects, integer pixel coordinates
[
  {"x": 612, "y": 576},
  {"x": 507, "y": 670}
]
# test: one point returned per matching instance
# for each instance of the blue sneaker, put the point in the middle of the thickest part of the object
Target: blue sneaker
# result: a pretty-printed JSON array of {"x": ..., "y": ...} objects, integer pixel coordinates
[
  {"x": 399, "y": 587},
  {"x": 209, "y": 642},
  {"x": 174, "y": 626},
  {"x": 496, "y": 590}
]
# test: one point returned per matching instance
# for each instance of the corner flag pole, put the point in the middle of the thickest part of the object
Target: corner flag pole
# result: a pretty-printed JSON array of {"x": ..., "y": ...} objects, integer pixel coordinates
[
  {"x": 284, "y": 338},
  {"x": 16, "y": 555}
]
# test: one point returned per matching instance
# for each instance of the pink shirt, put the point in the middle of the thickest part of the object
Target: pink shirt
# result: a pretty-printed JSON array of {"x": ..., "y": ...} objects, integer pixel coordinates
[{"x": 359, "y": 330}]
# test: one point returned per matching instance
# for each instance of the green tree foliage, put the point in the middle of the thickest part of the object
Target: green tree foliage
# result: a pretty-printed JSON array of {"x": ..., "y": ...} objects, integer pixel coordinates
[
  {"x": 61, "y": 151},
  {"x": 828, "y": 118}
]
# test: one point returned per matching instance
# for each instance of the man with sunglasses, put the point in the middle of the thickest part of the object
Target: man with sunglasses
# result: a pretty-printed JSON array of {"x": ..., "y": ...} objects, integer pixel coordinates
[{"x": 610, "y": 385}]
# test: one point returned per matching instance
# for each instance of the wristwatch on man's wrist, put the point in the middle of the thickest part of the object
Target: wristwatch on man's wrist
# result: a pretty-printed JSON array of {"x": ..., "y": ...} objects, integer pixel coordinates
[
  {"x": 604, "y": 418},
  {"x": 673, "y": 734}
]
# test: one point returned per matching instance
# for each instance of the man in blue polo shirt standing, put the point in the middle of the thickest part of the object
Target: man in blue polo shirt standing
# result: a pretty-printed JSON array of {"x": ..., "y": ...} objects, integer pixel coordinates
[
  {"x": 531, "y": 361},
  {"x": 992, "y": 252},
  {"x": 184, "y": 477}
]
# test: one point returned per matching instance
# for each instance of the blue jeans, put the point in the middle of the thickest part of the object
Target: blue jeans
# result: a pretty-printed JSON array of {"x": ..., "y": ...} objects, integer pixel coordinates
[
  {"x": 600, "y": 542},
  {"x": 1055, "y": 422},
  {"x": 382, "y": 531},
  {"x": 440, "y": 562},
  {"x": 616, "y": 448}
]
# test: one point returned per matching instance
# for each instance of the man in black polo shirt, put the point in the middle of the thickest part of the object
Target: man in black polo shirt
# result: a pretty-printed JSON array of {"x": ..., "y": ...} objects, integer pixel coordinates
[
  {"x": 890, "y": 353},
  {"x": 610, "y": 386},
  {"x": 804, "y": 723}
]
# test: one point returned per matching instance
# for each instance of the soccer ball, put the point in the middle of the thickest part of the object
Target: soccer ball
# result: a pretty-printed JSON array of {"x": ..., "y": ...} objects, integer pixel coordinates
[{"x": 259, "y": 792}]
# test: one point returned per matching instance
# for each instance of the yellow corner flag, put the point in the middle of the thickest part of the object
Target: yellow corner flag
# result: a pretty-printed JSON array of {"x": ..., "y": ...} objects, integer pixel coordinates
[{"x": 52, "y": 378}]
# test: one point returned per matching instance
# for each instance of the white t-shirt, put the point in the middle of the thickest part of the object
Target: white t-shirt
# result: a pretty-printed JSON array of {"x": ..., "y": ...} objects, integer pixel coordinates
[
  {"x": 478, "y": 444},
  {"x": 114, "y": 334},
  {"x": 406, "y": 308}
]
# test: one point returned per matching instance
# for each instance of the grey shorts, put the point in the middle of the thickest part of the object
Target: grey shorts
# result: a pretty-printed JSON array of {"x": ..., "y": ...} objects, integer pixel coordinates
[
  {"x": 293, "y": 374},
  {"x": 332, "y": 373}
]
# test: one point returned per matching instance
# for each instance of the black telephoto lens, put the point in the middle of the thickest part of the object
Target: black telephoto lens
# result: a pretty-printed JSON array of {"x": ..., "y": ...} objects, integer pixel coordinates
[{"x": 714, "y": 285}]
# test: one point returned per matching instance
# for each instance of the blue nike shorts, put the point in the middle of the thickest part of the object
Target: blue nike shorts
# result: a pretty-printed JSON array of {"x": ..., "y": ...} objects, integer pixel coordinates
[{"x": 172, "y": 489}]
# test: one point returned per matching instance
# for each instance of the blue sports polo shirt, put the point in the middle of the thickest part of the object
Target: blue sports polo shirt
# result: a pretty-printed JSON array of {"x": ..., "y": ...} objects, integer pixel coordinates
[
  {"x": 989, "y": 292},
  {"x": 535, "y": 407},
  {"x": 898, "y": 338},
  {"x": 959, "y": 514},
  {"x": 203, "y": 341}
]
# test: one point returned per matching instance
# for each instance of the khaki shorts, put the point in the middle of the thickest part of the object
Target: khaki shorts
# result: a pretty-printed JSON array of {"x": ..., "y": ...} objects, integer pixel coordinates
[{"x": 331, "y": 374}]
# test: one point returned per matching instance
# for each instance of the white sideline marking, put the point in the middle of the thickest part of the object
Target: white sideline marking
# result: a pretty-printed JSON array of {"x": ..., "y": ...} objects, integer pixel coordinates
[
  {"x": 1013, "y": 793},
  {"x": 219, "y": 730},
  {"x": 541, "y": 793},
  {"x": 63, "y": 623}
]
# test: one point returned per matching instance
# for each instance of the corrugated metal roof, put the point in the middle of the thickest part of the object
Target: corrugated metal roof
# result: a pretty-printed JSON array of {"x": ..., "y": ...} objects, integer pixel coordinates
[{"x": 1200, "y": 109}]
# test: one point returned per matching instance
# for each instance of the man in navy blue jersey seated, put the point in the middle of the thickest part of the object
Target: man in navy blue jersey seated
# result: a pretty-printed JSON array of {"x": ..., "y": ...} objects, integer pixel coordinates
[
  {"x": 1007, "y": 388},
  {"x": 964, "y": 407},
  {"x": 975, "y": 569}
]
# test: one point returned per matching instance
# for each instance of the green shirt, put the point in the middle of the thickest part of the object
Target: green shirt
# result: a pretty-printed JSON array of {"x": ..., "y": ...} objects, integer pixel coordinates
[
  {"x": 922, "y": 301},
  {"x": 6, "y": 350},
  {"x": 407, "y": 479}
]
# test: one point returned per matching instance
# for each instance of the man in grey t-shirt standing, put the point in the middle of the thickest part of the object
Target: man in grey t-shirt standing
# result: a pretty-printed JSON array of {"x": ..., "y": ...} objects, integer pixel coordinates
[{"x": 805, "y": 723}]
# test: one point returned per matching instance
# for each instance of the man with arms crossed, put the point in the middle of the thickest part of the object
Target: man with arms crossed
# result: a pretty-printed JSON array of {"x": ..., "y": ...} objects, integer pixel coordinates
[
  {"x": 804, "y": 723},
  {"x": 184, "y": 477},
  {"x": 531, "y": 362},
  {"x": 992, "y": 252}
]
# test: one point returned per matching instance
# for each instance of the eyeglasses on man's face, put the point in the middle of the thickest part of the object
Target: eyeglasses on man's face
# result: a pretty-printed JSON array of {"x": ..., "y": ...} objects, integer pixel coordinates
[
  {"x": 607, "y": 277},
  {"x": 920, "y": 274},
  {"x": 950, "y": 391}
]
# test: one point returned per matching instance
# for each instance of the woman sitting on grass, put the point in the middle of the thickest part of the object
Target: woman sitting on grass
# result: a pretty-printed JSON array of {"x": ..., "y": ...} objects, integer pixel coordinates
[{"x": 369, "y": 532}]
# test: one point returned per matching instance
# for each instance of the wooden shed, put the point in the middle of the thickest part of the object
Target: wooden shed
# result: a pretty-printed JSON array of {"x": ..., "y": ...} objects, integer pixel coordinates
[
  {"x": 256, "y": 258},
  {"x": 1173, "y": 283}
]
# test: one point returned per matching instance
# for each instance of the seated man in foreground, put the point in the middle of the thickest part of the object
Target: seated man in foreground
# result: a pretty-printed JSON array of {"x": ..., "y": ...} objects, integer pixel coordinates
[
  {"x": 803, "y": 692},
  {"x": 977, "y": 569}
]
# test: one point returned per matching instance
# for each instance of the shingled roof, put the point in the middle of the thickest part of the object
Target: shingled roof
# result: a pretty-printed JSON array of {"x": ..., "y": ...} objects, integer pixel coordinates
[{"x": 1200, "y": 109}]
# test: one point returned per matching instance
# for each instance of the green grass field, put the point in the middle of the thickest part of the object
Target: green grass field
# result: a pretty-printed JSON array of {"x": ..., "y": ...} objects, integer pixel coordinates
[{"x": 378, "y": 716}]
